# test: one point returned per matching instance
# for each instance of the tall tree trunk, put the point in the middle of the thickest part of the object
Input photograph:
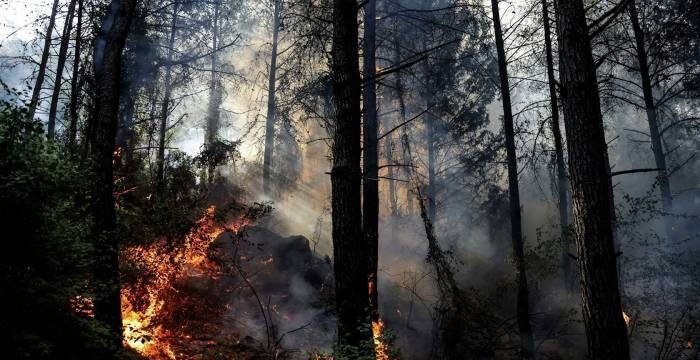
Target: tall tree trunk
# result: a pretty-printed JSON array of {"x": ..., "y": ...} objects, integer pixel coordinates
[
  {"x": 76, "y": 80},
  {"x": 107, "y": 62},
  {"x": 402, "y": 117},
  {"x": 349, "y": 246},
  {"x": 430, "y": 140},
  {"x": 650, "y": 106},
  {"x": 36, "y": 92},
  {"x": 523, "y": 305},
  {"x": 271, "y": 101},
  {"x": 591, "y": 187},
  {"x": 562, "y": 181},
  {"x": 58, "y": 80},
  {"x": 391, "y": 174},
  {"x": 370, "y": 181},
  {"x": 165, "y": 107},
  {"x": 215, "y": 92}
]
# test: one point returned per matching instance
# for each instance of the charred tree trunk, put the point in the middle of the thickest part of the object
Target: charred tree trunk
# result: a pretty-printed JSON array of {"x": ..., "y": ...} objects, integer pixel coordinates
[
  {"x": 650, "y": 106},
  {"x": 76, "y": 80},
  {"x": 370, "y": 180},
  {"x": 271, "y": 102},
  {"x": 591, "y": 187},
  {"x": 107, "y": 62},
  {"x": 36, "y": 92},
  {"x": 523, "y": 305},
  {"x": 215, "y": 92},
  {"x": 349, "y": 246},
  {"x": 562, "y": 181},
  {"x": 58, "y": 79},
  {"x": 165, "y": 107}
]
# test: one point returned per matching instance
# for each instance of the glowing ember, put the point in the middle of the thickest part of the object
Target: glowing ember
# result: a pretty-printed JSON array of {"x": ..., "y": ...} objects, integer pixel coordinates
[
  {"x": 82, "y": 305},
  {"x": 140, "y": 314},
  {"x": 627, "y": 318}
]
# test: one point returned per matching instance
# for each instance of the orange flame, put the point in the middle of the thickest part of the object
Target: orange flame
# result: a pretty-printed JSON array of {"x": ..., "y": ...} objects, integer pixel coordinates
[
  {"x": 381, "y": 349},
  {"x": 141, "y": 330}
]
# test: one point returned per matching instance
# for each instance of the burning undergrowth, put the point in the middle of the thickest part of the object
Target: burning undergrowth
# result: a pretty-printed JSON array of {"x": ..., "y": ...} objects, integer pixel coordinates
[{"x": 227, "y": 290}]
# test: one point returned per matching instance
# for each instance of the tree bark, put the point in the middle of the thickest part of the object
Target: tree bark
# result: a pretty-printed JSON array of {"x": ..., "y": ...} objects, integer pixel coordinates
[
  {"x": 591, "y": 187},
  {"x": 107, "y": 66},
  {"x": 76, "y": 80},
  {"x": 650, "y": 107},
  {"x": 370, "y": 180},
  {"x": 349, "y": 246},
  {"x": 58, "y": 79},
  {"x": 36, "y": 92},
  {"x": 271, "y": 101},
  {"x": 165, "y": 107},
  {"x": 562, "y": 181},
  {"x": 523, "y": 307}
]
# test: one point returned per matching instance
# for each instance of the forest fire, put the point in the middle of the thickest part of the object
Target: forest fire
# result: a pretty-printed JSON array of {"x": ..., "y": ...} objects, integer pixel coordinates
[
  {"x": 142, "y": 305},
  {"x": 381, "y": 349}
]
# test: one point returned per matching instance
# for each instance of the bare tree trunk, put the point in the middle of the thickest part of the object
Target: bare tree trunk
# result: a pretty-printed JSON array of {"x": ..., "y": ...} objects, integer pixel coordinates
[
  {"x": 215, "y": 91},
  {"x": 391, "y": 174},
  {"x": 402, "y": 117},
  {"x": 523, "y": 304},
  {"x": 370, "y": 181},
  {"x": 349, "y": 248},
  {"x": 165, "y": 109},
  {"x": 271, "y": 102},
  {"x": 430, "y": 140},
  {"x": 591, "y": 187},
  {"x": 58, "y": 80},
  {"x": 36, "y": 92},
  {"x": 76, "y": 80},
  {"x": 652, "y": 114},
  {"x": 107, "y": 62},
  {"x": 562, "y": 181}
]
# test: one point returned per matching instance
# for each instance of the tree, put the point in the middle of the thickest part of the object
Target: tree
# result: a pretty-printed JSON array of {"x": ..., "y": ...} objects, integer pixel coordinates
[
  {"x": 215, "y": 89},
  {"x": 349, "y": 248},
  {"x": 523, "y": 305},
  {"x": 560, "y": 163},
  {"x": 370, "y": 179},
  {"x": 591, "y": 186},
  {"x": 36, "y": 92},
  {"x": 58, "y": 78},
  {"x": 167, "y": 98},
  {"x": 77, "y": 80},
  {"x": 107, "y": 58},
  {"x": 271, "y": 99}
]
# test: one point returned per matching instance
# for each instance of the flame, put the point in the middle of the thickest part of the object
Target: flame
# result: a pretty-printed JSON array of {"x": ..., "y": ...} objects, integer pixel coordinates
[
  {"x": 381, "y": 349},
  {"x": 141, "y": 329},
  {"x": 627, "y": 318}
]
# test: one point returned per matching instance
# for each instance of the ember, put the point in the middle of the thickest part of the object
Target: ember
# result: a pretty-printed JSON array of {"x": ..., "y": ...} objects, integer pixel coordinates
[{"x": 82, "y": 305}]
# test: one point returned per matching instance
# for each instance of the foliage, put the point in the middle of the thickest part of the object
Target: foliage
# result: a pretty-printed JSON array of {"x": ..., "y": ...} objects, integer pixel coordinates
[{"x": 45, "y": 262}]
